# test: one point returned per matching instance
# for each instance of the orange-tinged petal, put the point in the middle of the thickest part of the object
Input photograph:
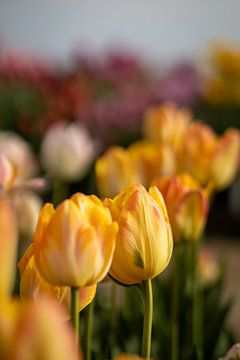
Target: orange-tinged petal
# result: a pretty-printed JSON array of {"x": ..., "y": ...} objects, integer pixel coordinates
[{"x": 76, "y": 247}]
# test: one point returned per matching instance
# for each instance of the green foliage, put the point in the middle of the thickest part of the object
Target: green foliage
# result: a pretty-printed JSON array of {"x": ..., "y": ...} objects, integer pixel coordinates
[{"x": 119, "y": 328}]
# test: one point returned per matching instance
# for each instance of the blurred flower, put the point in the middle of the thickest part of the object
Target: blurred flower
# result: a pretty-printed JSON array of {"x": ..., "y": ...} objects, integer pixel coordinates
[
  {"x": 182, "y": 84},
  {"x": 210, "y": 158},
  {"x": 114, "y": 171},
  {"x": 35, "y": 331},
  {"x": 27, "y": 206},
  {"x": 74, "y": 244},
  {"x": 223, "y": 85},
  {"x": 166, "y": 123},
  {"x": 67, "y": 151},
  {"x": 233, "y": 353},
  {"x": 33, "y": 286},
  {"x": 208, "y": 268},
  {"x": 150, "y": 160},
  {"x": 8, "y": 246},
  {"x": 18, "y": 151},
  {"x": 128, "y": 357},
  {"x": 144, "y": 242},
  {"x": 187, "y": 205}
]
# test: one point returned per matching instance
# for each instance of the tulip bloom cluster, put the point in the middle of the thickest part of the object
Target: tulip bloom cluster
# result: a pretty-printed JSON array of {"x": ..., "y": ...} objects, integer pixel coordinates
[
  {"x": 174, "y": 144},
  {"x": 142, "y": 161}
]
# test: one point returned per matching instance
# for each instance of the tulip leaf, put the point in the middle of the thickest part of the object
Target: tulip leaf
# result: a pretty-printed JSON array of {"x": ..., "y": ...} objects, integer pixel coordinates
[{"x": 138, "y": 259}]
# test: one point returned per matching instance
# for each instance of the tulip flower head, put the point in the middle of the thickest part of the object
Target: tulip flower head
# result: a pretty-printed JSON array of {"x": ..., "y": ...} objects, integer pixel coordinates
[
  {"x": 35, "y": 330},
  {"x": 67, "y": 151},
  {"x": 150, "y": 160},
  {"x": 114, "y": 171},
  {"x": 144, "y": 242},
  {"x": 209, "y": 158},
  {"x": 166, "y": 124},
  {"x": 34, "y": 287},
  {"x": 19, "y": 153},
  {"x": 187, "y": 205},
  {"x": 74, "y": 243}
]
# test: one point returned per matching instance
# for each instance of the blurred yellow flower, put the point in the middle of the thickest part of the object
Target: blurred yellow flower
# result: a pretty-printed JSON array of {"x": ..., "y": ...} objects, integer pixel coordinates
[
  {"x": 187, "y": 205},
  {"x": 35, "y": 331},
  {"x": 8, "y": 246},
  {"x": 144, "y": 242},
  {"x": 74, "y": 244},
  {"x": 210, "y": 158},
  {"x": 114, "y": 171},
  {"x": 33, "y": 286},
  {"x": 151, "y": 159},
  {"x": 223, "y": 86},
  {"x": 128, "y": 357},
  {"x": 166, "y": 123}
]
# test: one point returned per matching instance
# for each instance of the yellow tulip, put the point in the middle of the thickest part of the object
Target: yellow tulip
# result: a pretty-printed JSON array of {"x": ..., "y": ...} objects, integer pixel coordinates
[
  {"x": 166, "y": 123},
  {"x": 226, "y": 159},
  {"x": 150, "y": 160},
  {"x": 74, "y": 244},
  {"x": 35, "y": 330},
  {"x": 33, "y": 286},
  {"x": 8, "y": 246},
  {"x": 187, "y": 205},
  {"x": 144, "y": 242},
  {"x": 114, "y": 172},
  {"x": 210, "y": 158}
]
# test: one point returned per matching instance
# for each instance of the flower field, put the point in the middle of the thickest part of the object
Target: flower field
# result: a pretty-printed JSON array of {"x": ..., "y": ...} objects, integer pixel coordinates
[{"x": 110, "y": 171}]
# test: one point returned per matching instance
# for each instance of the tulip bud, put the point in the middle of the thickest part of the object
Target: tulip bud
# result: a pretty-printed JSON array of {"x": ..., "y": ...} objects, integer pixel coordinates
[
  {"x": 187, "y": 205},
  {"x": 33, "y": 286},
  {"x": 27, "y": 206},
  {"x": 74, "y": 244},
  {"x": 209, "y": 158},
  {"x": 67, "y": 151},
  {"x": 208, "y": 269},
  {"x": 150, "y": 160},
  {"x": 114, "y": 171},
  {"x": 166, "y": 123},
  {"x": 226, "y": 159},
  {"x": 18, "y": 151},
  {"x": 8, "y": 246},
  {"x": 144, "y": 242}
]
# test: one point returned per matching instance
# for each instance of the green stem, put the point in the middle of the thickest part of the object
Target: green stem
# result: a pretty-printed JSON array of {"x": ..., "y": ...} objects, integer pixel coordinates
[
  {"x": 197, "y": 305},
  {"x": 90, "y": 315},
  {"x": 74, "y": 310},
  {"x": 59, "y": 192},
  {"x": 147, "y": 322},
  {"x": 113, "y": 314},
  {"x": 175, "y": 306}
]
